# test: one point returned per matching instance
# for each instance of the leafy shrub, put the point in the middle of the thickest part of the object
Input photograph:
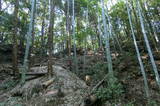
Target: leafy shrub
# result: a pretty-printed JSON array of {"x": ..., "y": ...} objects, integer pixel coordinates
[
  {"x": 112, "y": 90},
  {"x": 97, "y": 71}
]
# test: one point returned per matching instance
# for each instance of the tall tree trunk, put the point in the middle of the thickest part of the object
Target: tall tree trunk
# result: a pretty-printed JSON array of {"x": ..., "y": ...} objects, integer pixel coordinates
[
  {"x": 68, "y": 46},
  {"x": 112, "y": 34},
  {"x": 74, "y": 37},
  {"x": 147, "y": 44},
  {"x": 50, "y": 38},
  {"x": 42, "y": 37},
  {"x": 68, "y": 27},
  {"x": 98, "y": 37},
  {"x": 22, "y": 38},
  {"x": 150, "y": 27},
  {"x": 138, "y": 54},
  {"x": 29, "y": 41},
  {"x": 85, "y": 41},
  {"x": 139, "y": 32},
  {"x": 100, "y": 33},
  {"x": 42, "y": 31},
  {"x": 15, "y": 38},
  {"x": 109, "y": 59},
  {"x": 31, "y": 60},
  {"x": 22, "y": 35}
]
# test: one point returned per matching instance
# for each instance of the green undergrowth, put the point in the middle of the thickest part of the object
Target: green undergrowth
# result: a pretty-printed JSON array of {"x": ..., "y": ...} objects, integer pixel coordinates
[
  {"x": 12, "y": 101},
  {"x": 8, "y": 84},
  {"x": 111, "y": 90},
  {"x": 152, "y": 103},
  {"x": 96, "y": 71}
]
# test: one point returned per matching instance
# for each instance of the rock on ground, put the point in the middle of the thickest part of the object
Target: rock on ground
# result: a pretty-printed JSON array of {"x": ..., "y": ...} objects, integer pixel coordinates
[{"x": 32, "y": 94}]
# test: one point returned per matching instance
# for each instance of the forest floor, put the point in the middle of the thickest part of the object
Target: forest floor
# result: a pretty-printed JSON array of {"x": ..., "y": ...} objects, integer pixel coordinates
[
  {"x": 69, "y": 88},
  {"x": 127, "y": 71},
  {"x": 65, "y": 90}
]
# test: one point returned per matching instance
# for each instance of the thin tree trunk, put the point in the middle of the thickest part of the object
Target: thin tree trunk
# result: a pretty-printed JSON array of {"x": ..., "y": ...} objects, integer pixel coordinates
[
  {"x": 22, "y": 38},
  {"x": 50, "y": 38},
  {"x": 147, "y": 44},
  {"x": 151, "y": 28},
  {"x": 31, "y": 60},
  {"x": 42, "y": 37},
  {"x": 15, "y": 38},
  {"x": 85, "y": 41},
  {"x": 29, "y": 41},
  {"x": 112, "y": 31},
  {"x": 148, "y": 26},
  {"x": 138, "y": 54},
  {"x": 22, "y": 35},
  {"x": 109, "y": 59},
  {"x": 68, "y": 24},
  {"x": 42, "y": 31},
  {"x": 68, "y": 27},
  {"x": 139, "y": 32},
  {"x": 100, "y": 33},
  {"x": 98, "y": 36},
  {"x": 74, "y": 37}
]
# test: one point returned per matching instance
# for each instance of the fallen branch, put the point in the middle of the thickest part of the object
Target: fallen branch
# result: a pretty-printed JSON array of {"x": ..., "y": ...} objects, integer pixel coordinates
[
  {"x": 32, "y": 77},
  {"x": 62, "y": 65},
  {"x": 34, "y": 73},
  {"x": 99, "y": 83},
  {"x": 89, "y": 98}
]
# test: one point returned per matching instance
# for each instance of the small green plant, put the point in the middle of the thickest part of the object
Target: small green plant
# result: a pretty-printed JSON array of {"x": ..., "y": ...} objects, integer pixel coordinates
[
  {"x": 112, "y": 90},
  {"x": 9, "y": 84},
  {"x": 130, "y": 104},
  {"x": 97, "y": 71},
  {"x": 152, "y": 103}
]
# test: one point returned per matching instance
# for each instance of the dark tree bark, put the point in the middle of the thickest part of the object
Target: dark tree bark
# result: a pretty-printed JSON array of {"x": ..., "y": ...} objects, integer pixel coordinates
[
  {"x": 50, "y": 38},
  {"x": 15, "y": 38},
  {"x": 22, "y": 35},
  {"x": 68, "y": 24},
  {"x": 42, "y": 37},
  {"x": 43, "y": 51}
]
